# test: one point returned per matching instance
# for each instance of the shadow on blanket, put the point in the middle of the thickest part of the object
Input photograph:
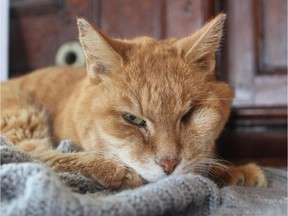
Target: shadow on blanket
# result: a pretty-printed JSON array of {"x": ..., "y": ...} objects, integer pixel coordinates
[{"x": 30, "y": 188}]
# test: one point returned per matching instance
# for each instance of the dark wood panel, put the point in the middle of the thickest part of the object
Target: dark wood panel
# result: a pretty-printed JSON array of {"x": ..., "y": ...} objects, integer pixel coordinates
[
  {"x": 130, "y": 18},
  {"x": 255, "y": 134},
  {"x": 34, "y": 7},
  {"x": 265, "y": 144},
  {"x": 254, "y": 145},
  {"x": 35, "y": 36},
  {"x": 27, "y": 49},
  {"x": 184, "y": 17},
  {"x": 272, "y": 34},
  {"x": 265, "y": 116}
]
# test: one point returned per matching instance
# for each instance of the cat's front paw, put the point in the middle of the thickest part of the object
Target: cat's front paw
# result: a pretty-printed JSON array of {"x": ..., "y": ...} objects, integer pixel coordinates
[
  {"x": 109, "y": 172},
  {"x": 115, "y": 175},
  {"x": 249, "y": 175}
]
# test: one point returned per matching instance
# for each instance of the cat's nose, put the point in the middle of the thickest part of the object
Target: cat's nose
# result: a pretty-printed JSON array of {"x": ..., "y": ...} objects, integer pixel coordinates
[{"x": 168, "y": 165}]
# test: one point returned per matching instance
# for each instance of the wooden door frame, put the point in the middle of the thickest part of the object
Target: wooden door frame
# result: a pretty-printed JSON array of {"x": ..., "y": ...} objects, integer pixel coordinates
[{"x": 256, "y": 131}]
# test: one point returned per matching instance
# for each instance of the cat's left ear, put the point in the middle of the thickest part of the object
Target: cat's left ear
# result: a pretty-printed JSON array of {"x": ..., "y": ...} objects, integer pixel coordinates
[
  {"x": 101, "y": 55},
  {"x": 200, "y": 47}
]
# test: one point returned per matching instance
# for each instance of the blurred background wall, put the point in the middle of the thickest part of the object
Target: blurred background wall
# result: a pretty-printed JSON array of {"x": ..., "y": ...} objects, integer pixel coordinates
[{"x": 253, "y": 56}]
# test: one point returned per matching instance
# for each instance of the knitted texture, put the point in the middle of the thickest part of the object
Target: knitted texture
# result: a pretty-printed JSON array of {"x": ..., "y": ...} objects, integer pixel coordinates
[{"x": 30, "y": 188}]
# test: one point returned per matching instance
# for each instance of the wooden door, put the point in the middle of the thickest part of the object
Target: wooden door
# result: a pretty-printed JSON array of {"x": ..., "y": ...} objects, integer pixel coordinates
[
  {"x": 255, "y": 64},
  {"x": 257, "y": 52}
]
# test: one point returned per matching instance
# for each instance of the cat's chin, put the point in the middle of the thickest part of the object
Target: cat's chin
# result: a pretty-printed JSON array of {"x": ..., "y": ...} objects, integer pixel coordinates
[{"x": 151, "y": 177}]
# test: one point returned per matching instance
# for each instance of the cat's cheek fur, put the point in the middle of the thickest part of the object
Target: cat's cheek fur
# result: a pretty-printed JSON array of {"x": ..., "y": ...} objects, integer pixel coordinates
[
  {"x": 110, "y": 140},
  {"x": 205, "y": 122},
  {"x": 199, "y": 137},
  {"x": 205, "y": 118},
  {"x": 202, "y": 129}
]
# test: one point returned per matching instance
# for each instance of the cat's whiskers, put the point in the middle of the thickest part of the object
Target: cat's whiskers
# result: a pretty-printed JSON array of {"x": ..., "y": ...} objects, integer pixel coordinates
[
  {"x": 219, "y": 165},
  {"x": 203, "y": 164}
]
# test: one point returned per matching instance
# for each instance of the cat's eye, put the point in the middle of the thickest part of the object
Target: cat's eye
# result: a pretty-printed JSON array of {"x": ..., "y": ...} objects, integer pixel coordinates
[
  {"x": 134, "y": 120},
  {"x": 185, "y": 119}
]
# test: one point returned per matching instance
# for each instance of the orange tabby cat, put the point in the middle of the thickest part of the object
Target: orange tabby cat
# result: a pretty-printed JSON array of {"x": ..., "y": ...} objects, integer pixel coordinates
[{"x": 143, "y": 109}]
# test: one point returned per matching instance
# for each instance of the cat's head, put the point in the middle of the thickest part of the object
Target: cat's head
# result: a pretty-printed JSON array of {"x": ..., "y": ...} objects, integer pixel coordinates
[{"x": 156, "y": 105}]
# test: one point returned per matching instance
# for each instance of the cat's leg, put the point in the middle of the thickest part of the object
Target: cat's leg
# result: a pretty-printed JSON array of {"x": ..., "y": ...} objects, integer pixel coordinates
[
  {"x": 249, "y": 175},
  {"x": 27, "y": 126},
  {"x": 107, "y": 171}
]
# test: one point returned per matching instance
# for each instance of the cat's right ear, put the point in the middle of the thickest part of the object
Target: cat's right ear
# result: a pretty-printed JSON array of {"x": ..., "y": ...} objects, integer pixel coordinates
[
  {"x": 101, "y": 58},
  {"x": 200, "y": 47}
]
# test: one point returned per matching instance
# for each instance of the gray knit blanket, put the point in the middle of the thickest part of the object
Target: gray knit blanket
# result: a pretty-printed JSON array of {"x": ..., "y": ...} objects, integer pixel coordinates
[{"x": 28, "y": 187}]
